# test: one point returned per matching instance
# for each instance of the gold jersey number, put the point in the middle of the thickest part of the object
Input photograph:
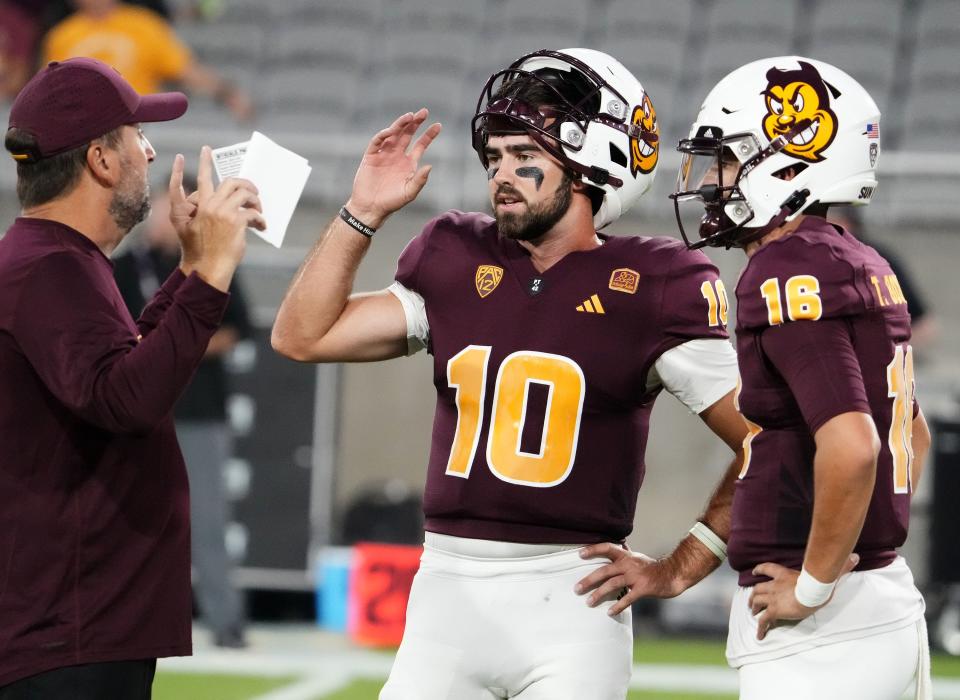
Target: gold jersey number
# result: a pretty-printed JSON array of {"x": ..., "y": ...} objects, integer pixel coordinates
[
  {"x": 565, "y": 385},
  {"x": 803, "y": 299},
  {"x": 901, "y": 387},
  {"x": 716, "y": 295}
]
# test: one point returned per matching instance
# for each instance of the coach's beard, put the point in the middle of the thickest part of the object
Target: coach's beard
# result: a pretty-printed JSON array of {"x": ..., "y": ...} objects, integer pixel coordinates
[
  {"x": 130, "y": 203},
  {"x": 536, "y": 221}
]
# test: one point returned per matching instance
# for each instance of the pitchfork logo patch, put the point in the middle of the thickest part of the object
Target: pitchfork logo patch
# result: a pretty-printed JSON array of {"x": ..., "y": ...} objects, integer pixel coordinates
[
  {"x": 800, "y": 98},
  {"x": 623, "y": 279},
  {"x": 487, "y": 279}
]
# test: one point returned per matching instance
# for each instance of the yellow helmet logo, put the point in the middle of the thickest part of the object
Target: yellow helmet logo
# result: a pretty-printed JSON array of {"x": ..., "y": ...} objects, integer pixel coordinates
[
  {"x": 800, "y": 98},
  {"x": 643, "y": 153}
]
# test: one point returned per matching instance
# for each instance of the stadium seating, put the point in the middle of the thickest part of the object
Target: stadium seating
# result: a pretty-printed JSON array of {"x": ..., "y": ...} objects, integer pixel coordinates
[
  {"x": 938, "y": 24},
  {"x": 350, "y": 66}
]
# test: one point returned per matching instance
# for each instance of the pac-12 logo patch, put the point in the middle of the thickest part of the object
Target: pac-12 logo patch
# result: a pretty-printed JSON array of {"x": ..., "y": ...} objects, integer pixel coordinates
[
  {"x": 487, "y": 279},
  {"x": 800, "y": 98},
  {"x": 623, "y": 279}
]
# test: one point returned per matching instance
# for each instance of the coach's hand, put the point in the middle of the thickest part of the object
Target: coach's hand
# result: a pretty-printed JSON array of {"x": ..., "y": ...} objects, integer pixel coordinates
[
  {"x": 390, "y": 175},
  {"x": 212, "y": 235},
  {"x": 628, "y": 577},
  {"x": 774, "y": 599},
  {"x": 182, "y": 207}
]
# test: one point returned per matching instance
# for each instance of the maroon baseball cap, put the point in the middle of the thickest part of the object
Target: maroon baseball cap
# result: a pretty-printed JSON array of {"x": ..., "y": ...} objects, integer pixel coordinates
[{"x": 70, "y": 103}]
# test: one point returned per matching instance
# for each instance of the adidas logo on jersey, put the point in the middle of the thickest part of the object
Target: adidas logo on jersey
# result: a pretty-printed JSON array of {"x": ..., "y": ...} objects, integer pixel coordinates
[{"x": 592, "y": 306}]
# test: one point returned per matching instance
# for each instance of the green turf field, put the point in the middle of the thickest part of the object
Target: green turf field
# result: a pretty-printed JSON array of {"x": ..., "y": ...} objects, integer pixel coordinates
[
  {"x": 184, "y": 686},
  {"x": 679, "y": 651},
  {"x": 357, "y": 691},
  {"x": 201, "y": 687},
  {"x": 367, "y": 690},
  {"x": 192, "y": 686}
]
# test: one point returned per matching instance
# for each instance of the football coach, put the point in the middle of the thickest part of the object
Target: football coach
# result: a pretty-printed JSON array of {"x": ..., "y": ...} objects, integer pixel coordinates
[{"x": 94, "y": 526}]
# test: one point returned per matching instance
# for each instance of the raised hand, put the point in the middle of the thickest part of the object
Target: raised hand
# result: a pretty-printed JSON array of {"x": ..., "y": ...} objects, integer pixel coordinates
[
  {"x": 390, "y": 175},
  {"x": 213, "y": 239},
  {"x": 182, "y": 208}
]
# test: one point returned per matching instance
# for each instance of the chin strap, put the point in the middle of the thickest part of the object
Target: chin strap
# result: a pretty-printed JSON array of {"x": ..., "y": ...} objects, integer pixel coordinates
[{"x": 790, "y": 206}]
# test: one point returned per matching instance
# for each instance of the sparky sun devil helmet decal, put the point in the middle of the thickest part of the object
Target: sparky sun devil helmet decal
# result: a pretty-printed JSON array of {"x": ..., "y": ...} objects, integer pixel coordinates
[
  {"x": 644, "y": 153},
  {"x": 773, "y": 138},
  {"x": 800, "y": 97}
]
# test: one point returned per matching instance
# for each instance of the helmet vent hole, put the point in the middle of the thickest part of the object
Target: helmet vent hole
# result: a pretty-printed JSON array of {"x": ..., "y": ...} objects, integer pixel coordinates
[
  {"x": 618, "y": 156},
  {"x": 790, "y": 172}
]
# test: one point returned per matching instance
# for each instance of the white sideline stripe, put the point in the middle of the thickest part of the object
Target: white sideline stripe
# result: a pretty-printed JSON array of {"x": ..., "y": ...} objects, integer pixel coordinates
[
  {"x": 245, "y": 664},
  {"x": 683, "y": 678},
  {"x": 324, "y": 672},
  {"x": 310, "y": 688},
  {"x": 314, "y": 663},
  {"x": 680, "y": 678}
]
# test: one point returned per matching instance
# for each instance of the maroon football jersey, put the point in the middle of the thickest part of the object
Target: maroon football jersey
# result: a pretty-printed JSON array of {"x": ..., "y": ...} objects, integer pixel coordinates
[
  {"x": 822, "y": 329},
  {"x": 542, "y": 409}
]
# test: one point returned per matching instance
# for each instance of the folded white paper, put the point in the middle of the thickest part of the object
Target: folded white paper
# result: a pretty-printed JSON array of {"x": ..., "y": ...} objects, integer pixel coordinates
[
  {"x": 227, "y": 160},
  {"x": 279, "y": 174}
]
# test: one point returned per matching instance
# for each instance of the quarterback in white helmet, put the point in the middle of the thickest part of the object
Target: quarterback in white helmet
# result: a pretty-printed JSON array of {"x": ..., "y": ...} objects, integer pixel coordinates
[{"x": 826, "y": 607}]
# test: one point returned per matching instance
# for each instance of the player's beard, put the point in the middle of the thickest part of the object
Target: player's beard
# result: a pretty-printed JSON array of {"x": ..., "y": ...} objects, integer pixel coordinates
[
  {"x": 536, "y": 220},
  {"x": 130, "y": 203}
]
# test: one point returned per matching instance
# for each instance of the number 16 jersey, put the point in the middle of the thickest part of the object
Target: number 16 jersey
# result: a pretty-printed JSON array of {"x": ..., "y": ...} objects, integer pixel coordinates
[
  {"x": 544, "y": 379},
  {"x": 822, "y": 329}
]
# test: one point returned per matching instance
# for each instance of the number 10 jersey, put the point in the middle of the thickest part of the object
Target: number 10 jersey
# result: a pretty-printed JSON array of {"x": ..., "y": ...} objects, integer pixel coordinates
[{"x": 543, "y": 401}]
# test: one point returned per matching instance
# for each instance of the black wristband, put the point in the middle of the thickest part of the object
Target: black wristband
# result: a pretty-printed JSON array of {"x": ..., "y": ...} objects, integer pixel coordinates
[{"x": 356, "y": 223}]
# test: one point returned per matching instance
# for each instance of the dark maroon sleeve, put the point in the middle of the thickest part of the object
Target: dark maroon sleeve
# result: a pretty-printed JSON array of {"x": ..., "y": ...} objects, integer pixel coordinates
[
  {"x": 74, "y": 335},
  {"x": 684, "y": 309},
  {"x": 408, "y": 265},
  {"x": 820, "y": 365},
  {"x": 795, "y": 256},
  {"x": 161, "y": 301},
  {"x": 18, "y": 33}
]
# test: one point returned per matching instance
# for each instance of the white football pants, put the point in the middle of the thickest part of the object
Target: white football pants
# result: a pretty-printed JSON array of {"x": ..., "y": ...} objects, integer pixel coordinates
[
  {"x": 489, "y": 620},
  {"x": 868, "y": 643},
  {"x": 880, "y": 667}
]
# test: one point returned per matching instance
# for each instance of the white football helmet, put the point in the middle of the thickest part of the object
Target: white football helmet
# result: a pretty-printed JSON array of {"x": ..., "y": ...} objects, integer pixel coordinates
[
  {"x": 801, "y": 131},
  {"x": 599, "y": 122}
]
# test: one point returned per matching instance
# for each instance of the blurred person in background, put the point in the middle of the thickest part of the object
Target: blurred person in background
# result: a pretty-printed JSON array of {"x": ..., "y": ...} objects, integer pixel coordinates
[
  {"x": 826, "y": 607},
  {"x": 143, "y": 46},
  {"x": 94, "y": 512},
  {"x": 201, "y": 420},
  {"x": 54, "y": 11},
  {"x": 551, "y": 342},
  {"x": 19, "y": 33},
  {"x": 923, "y": 323},
  {"x": 49, "y": 12}
]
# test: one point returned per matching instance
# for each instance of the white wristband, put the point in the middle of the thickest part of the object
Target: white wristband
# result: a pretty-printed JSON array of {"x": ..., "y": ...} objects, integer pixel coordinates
[
  {"x": 710, "y": 539},
  {"x": 811, "y": 592}
]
